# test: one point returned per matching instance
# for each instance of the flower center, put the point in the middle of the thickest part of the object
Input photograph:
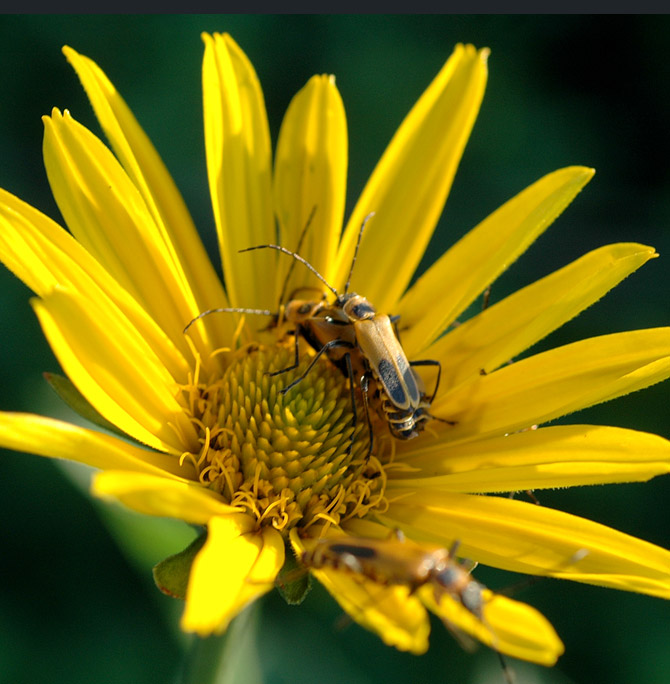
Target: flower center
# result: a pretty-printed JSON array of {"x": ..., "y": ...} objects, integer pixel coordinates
[{"x": 287, "y": 459}]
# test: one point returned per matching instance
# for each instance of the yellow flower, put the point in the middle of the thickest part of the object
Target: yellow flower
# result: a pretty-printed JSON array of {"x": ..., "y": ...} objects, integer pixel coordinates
[{"x": 207, "y": 435}]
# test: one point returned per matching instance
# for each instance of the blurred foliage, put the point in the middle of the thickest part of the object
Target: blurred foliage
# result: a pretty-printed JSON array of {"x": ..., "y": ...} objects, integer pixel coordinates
[{"x": 563, "y": 90}]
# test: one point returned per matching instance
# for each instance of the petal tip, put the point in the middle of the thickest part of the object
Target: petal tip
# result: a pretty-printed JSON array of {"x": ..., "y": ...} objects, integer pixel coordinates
[{"x": 587, "y": 172}]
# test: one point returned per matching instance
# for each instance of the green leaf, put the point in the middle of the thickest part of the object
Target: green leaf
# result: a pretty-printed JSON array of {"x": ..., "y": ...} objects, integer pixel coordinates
[
  {"x": 77, "y": 402},
  {"x": 293, "y": 581},
  {"x": 171, "y": 575}
]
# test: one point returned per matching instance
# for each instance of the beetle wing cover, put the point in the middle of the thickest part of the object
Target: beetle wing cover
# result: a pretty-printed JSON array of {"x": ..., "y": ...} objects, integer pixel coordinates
[{"x": 386, "y": 357}]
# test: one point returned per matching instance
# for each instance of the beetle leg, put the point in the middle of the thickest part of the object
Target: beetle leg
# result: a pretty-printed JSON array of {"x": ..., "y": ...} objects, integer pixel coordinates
[
  {"x": 441, "y": 420},
  {"x": 508, "y": 672},
  {"x": 296, "y": 361},
  {"x": 364, "y": 389},
  {"x": 430, "y": 362},
  {"x": 352, "y": 390},
  {"x": 329, "y": 345},
  {"x": 354, "y": 409},
  {"x": 394, "y": 322}
]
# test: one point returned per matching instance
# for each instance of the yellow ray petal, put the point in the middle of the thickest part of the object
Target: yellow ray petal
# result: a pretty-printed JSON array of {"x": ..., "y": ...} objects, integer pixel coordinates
[
  {"x": 112, "y": 366},
  {"x": 410, "y": 184},
  {"x": 476, "y": 260},
  {"x": 523, "y": 537},
  {"x": 106, "y": 213},
  {"x": 398, "y": 618},
  {"x": 44, "y": 256},
  {"x": 160, "y": 496},
  {"x": 199, "y": 282},
  {"x": 555, "y": 383},
  {"x": 56, "y": 439},
  {"x": 561, "y": 456},
  {"x": 365, "y": 527},
  {"x": 236, "y": 566},
  {"x": 508, "y": 626},
  {"x": 237, "y": 141},
  {"x": 310, "y": 176},
  {"x": 509, "y": 327}
]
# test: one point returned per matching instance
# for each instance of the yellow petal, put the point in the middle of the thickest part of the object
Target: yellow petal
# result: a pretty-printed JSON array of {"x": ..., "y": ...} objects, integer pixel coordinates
[
  {"x": 554, "y": 383},
  {"x": 523, "y": 537},
  {"x": 561, "y": 456},
  {"x": 106, "y": 213},
  {"x": 199, "y": 282},
  {"x": 56, "y": 439},
  {"x": 410, "y": 184},
  {"x": 236, "y": 566},
  {"x": 237, "y": 141},
  {"x": 389, "y": 611},
  {"x": 509, "y": 327},
  {"x": 364, "y": 527},
  {"x": 508, "y": 626},
  {"x": 310, "y": 176},
  {"x": 44, "y": 256},
  {"x": 112, "y": 366},
  {"x": 160, "y": 496},
  {"x": 476, "y": 260}
]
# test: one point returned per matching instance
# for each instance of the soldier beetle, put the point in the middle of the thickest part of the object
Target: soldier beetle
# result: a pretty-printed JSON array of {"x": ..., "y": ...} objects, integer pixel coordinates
[
  {"x": 360, "y": 342},
  {"x": 393, "y": 561}
]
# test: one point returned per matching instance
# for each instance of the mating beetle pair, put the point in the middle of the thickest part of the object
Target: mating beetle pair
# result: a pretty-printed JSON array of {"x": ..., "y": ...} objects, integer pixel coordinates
[{"x": 361, "y": 343}]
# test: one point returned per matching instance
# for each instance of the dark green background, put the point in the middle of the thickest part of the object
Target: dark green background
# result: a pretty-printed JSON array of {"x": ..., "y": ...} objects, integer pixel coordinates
[{"x": 563, "y": 90}]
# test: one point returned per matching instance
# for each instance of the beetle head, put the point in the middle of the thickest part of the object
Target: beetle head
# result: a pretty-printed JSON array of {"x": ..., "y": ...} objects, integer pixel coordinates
[
  {"x": 299, "y": 310},
  {"x": 357, "y": 308}
]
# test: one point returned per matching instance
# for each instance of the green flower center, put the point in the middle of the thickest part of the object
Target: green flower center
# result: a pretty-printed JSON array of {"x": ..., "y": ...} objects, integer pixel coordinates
[{"x": 287, "y": 459}]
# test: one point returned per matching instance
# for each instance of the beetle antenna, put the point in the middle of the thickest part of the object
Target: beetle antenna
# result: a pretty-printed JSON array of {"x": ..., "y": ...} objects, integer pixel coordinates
[
  {"x": 358, "y": 244},
  {"x": 297, "y": 257},
  {"x": 297, "y": 251},
  {"x": 260, "y": 312}
]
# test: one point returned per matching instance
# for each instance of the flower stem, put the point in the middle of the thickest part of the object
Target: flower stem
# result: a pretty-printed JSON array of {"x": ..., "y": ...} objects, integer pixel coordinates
[{"x": 230, "y": 658}]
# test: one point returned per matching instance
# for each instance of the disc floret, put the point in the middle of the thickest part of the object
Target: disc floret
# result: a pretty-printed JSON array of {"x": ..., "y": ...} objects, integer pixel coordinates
[{"x": 284, "y": 458}]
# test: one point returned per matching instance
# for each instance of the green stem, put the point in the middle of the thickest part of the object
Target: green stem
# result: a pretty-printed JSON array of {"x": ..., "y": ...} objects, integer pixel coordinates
[{"x": 231, "y": 658}]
